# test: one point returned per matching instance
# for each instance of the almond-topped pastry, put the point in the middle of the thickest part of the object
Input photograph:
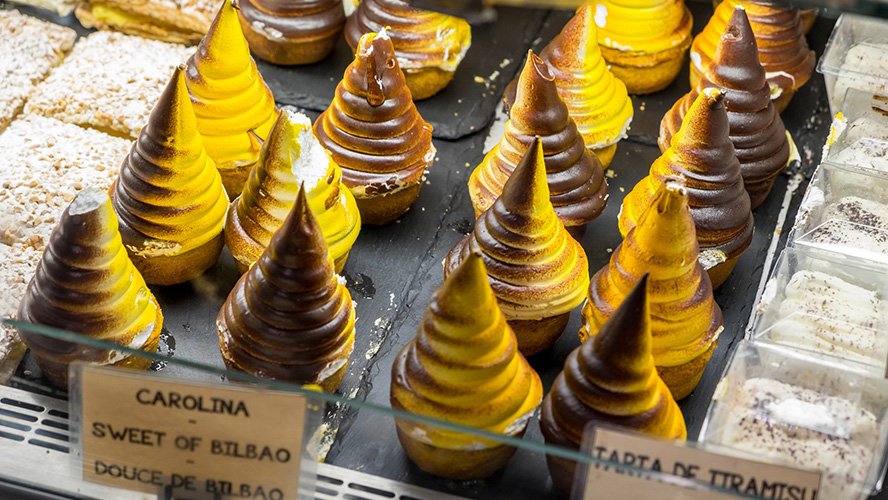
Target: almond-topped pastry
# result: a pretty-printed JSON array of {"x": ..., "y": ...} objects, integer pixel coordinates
[
  {"x": 685, "y": 320},
  {"x": 429, "y": 46},
  {"x": 538, "y": 272},
  {"x": 463, "y": 367},
  {"x": 644, "y": 41},
  {"x": 577, "y": 187},
  {"x": 703, "y": 155},
  {"x": 610, "y": 380},
  {"x": 235, "y": 109},
  {"x": 169, "y": 196},
  {"x": 374, "y": 132},
  {"x": 85, "y": 283},
  {"x": 596, "y": 100},
  {"x": 289, "y": 318},
  {"x": 291, "y": 158},
  {"x": 291, "y": 31},
  {"x": 782, "y": 48},
  {"x": 761, "y": 142}
]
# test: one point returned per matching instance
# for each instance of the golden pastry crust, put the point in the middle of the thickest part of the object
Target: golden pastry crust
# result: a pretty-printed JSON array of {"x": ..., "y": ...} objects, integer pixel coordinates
[
  {"x": 291, "y": 31},
  {"x": 685, "y": 320},
  {"x": 178, "y": 21},
  {"x": 463, "y": 367},
  {"x": 537, "y": 270},
  {"x": 577, "y": 187},
  {"x": 289, "y": 318}
]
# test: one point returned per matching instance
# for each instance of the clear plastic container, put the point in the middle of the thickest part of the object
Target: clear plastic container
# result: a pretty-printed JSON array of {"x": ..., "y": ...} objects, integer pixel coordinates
[
  {"x": 856, "y": 56},
  {"x": 805, "y": 412},
  {"x": 829, "y": 304},
  {"x": 845, "y": 209},
  {"x": 859, "y": 132}
]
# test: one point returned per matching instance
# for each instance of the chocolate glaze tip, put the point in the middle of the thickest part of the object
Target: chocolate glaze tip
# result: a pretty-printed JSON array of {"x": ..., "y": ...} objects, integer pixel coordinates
[
  {"x": 624, "y": 338},
  {"x": 527, "y": 188}
]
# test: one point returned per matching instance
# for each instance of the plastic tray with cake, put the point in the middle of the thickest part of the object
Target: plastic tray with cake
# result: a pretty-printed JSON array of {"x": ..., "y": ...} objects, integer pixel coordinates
[
  {"x": 844, "y": 210},
  {"x": 859, "y": 132},
  {"x": 806, "y": 411},
  {"x": 856, "y": 56},
  {"x": 828, "y": 303}
]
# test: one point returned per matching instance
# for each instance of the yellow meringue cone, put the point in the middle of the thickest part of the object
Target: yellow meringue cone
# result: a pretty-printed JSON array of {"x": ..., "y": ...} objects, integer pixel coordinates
[
  {"x": 85, "y": 283},
  {"x": 235, "y": 109},
  {"x": 685, "y": 320},
  {"x": 429, "y": 45},
  {"x": 702, "y": 154},
  {"x": 290, "y": 157},
  {"x": 596, "y": 100},
  {"x": 643, "y": 41},
  {"x": 577, "y": 187},
  {"x": 610, "y": 380},
  {"x": 463, "y": 367},
  {"x": 538, "y": 272},
  {"x": 779, "y": 35},
  {"x": 289, "y": 318},
  {"x": 169, "y": 197}
]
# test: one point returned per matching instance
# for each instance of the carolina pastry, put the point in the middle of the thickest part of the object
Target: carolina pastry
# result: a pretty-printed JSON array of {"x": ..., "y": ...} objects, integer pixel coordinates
[
  {"x": 782, "y": 48},
  {"x": 289, "y": 318},
  {"x": 235, "y": 109},
  {"x": 429, "y": 46},
  {"x": 169, "y": 196},
  {"x": 290, "y": 158},
  {"x": 374, "y": 132},
  {"x": 611, "y": 379},
  {"x": 597, "y": 102},
  {"x": 644, "y": 41},
  {"x": 30, "y": 48},
  {"x": 577, "y": 187},
  {"x": 181, "y": 21},
  {"x": 85, "y": 283},
  {"x": 685, "y": 320},
  {"x": 537, "y": 270},
  {"x": 463, "y": 367},
  {"x": 761, "y": 142},
  {"x": 703, "y": 155},
  {"x": 291, "y": 31}
]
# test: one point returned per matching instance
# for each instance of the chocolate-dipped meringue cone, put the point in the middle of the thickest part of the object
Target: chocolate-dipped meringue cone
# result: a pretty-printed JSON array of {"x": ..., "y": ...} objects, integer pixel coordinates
[
  {"x": 429, "y": 45},
  {"x": 596, "y": 100},
  {"x": 644, "y": 41},
  {"x": 761, "y": 142},
  {"x": 235, "y": 109},
  {"x": 463, "y": 367},
  {"x": 86, "y": 284},
  {"x": 290, "y": 158},
  {"x": 685, "y": 320},
  {"x": 538, "y": 272},
  {"x": 374, "y": 132},
  {"x": 289, "y": 318},
  {"x": 610, "y": 380},
  {"x": 782, "y": 48},
  {"x": 702, "y": 155},
  {"x": 169, "y": 196},
  {"x": 577, "y": 187},
  {"x": 291, "y": 31}
]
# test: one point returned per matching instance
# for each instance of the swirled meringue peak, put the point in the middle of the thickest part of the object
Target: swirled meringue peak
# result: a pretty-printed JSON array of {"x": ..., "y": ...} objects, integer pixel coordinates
[
  {"x": 374, "y": 132},
  {"x": 757, "y": 131},
  {"x": 85, "y": 283},
  {"x": 464, "y": 367},
  {"x": 537, "y": 270},
  {"x": 291, "y": 157},
  {"x": 233, "y": 105},
  {"x": 703, "y": 154},
  {"x": 596, "y": 100},
  {"x": 685, "y": 320},
  {"x": 782, "y": 48},
  {"x": 289, "y": 318},
  {"x": 646, "y": 26},
  {"x": 611, "y": 379},
  {"x": 577, "y": 187},
  {"x": 168, "y": 196}
]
